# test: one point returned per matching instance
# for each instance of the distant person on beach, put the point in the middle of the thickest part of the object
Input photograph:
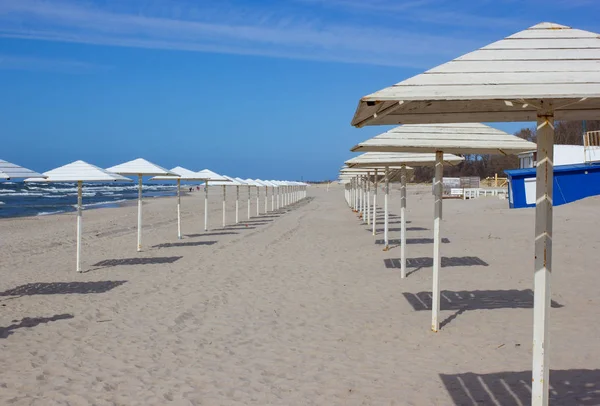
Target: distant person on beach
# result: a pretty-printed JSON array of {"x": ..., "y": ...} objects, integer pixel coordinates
[
  {"x": 198, "y": 188},
  {"x": 191, "y": 189}
]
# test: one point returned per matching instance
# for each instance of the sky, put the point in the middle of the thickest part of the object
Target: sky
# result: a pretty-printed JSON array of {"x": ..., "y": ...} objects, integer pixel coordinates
[{"x": 259, "y": 89}]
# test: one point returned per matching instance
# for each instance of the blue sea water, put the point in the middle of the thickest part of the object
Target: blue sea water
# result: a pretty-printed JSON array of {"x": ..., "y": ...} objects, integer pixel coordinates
[{"x": 38, "y": 199}]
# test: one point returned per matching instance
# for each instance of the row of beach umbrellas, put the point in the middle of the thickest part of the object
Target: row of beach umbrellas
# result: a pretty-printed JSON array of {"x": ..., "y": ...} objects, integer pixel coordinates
[
  {"x": 283, "y": 193},
  {"x": 545, "y": 73}
]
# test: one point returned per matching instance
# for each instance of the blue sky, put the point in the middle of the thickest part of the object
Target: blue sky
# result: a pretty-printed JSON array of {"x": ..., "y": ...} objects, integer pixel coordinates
[{"x": 261, "y": 89}]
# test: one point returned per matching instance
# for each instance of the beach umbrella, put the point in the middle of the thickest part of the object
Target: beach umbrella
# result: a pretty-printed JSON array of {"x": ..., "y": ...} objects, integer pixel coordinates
[
  {"x": 244, "y": 182},
  {"x": 10, "y": 171},
  {"x": 185, "y": 175},
  {"x": 227, "y": 182},
  {"x": 79, "y": 172},
  {"x": 545, "y": 73},
  {"x": 273, "y": 187},
  {"x": 208, "y": 176},
  {"x": 470, "y": 138},
  {"x": 266, "y": 185},
  {"x": 239, "y": 182},
  {"x": 385, "y": 160},
  {"x": 254, "y": 183},
  {"x": 139, "y": 167}
]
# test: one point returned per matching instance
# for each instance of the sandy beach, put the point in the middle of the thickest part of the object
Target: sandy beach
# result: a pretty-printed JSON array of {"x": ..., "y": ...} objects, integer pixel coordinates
[{"x": 298, "y": 307}]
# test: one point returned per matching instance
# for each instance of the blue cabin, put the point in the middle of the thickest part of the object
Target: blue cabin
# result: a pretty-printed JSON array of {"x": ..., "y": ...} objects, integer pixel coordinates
[{"x": 571, "y": 183}]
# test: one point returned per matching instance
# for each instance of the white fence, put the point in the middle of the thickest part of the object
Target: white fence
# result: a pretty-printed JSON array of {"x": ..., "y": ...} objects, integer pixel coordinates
[{"x": 474, "y": 193}]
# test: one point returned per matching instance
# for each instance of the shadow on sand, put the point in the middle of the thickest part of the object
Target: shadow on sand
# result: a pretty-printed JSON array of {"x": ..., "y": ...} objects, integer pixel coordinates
[
  {"x": 567, "y": 387},
  {"x": 29, "y": 322},
  {"x": 412, "y": 241},
  {"x": 474, "y": 300},
  {"x": 427, "y": 262},
  {"x": 62, "y": 288},
  {"x": 107, "y": 263}
]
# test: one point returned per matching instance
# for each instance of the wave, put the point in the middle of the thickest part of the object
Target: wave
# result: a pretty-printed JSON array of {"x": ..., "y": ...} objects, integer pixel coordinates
[
  {"x": 105, "y": 203},
  {"x": 47, "y": 213}
]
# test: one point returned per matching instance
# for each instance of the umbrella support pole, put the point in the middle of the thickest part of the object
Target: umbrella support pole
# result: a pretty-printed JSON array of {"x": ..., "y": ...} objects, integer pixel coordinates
[
  {"x": 257, "y": 201},
  {"x": 543, "y": 258},
  {"x": 249, "y": 198},
  {"x": 266, "y": 199},
  {"x": 237, "y": 204},
  {"x": 206, "y": 205},
  {"x": 437, "y": 190},
  {"x": 403, "y": 221},
  {"x": 375, "y": 205},
  {"x": 224, "y": 197},
  {"x": 139, "y": 230},
  {"x": 386, "y": 212},
  {"x": 79, "y": 223},
  {"x": 179, "y": 209},
  {"x": 368, "y": 199}
]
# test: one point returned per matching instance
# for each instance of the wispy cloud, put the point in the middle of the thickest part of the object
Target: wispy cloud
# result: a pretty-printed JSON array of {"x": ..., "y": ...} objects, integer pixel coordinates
[
  {"x": 27, "y": 63},
  {"x": 268, "y": 32}
]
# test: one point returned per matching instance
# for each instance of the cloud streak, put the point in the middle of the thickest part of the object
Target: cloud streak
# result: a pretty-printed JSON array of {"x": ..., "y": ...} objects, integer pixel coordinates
[{"x": 266, "y": 33}]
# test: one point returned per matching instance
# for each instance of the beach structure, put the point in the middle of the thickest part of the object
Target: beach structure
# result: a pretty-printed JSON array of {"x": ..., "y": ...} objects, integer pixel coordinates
[
  {"x": 10, "y": 171},
  {"x": 273, "y": 187},
  {"x": 257, "y": 185},
  {"x": 264, "y": 184},
  {"x": 385, "y": 160},
  {"x": 183, "y": 174},
  {"x": 140, "y": 168},
  {"x": 245, "y": 182},
  {"x": 545, "y": 73},
  {"x": 208, "y": 176},
  {"x": 469, "y": 138},
  {"x": 239, "y": 182},
  {"x": 228, "y": 182},
  {"x": 79, "y": 172}
]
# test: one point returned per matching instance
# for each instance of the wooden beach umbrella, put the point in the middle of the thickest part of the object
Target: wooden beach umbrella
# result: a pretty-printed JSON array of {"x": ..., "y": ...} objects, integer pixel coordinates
[
  {"x": 237, "y": 183},
  {"x": 257, "y": 185},
  {"x": 545, "y": 73},
  {"x": 183, "y": 174},
  {"x": 140, "y": 168},
  {"x": 245, "y": 183},
  {"x": 470, "y": 138},
  {"x": 79, "y": 172},
  {"x": 227, "y": 182},
  {"x": 208, "y": 176},
  {"x": 383, "y": 160},
  {"x": 10, "y": 171},
  {"x": 273, "y": 187},
  {"x": 267, "y": 185}
]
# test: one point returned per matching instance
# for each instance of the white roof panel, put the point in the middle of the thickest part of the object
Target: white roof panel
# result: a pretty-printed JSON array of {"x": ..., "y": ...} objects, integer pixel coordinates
[
  {"x": 209, "y": 175},
  {"x": 182, "y": 174},
  {"x": 472, "y": 138},
  {"x": 140, "y": 167},
  {"x": 228, "y": 182},
  {"x": 11, "y": 171},
  {"x": 79, "y": 171},
  {"x": 382, "y": 159},
  {"x": 504, "y": 81}
]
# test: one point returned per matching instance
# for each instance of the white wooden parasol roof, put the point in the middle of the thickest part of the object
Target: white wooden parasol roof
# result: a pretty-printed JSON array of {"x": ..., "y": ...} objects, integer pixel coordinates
[
  {"x": 504, "y": 81},
  {"x": 182, "y": 174},
  {"x": 79, "y": 171},
  {"x": 229, "y": 181},
  {"x": 209, "y": 175},
  {"x": 10, "y": 171},
  {"x": 382, "y": 159},
  {"x": 140, "y": 167},
  {"x": 470, "y": 138}
]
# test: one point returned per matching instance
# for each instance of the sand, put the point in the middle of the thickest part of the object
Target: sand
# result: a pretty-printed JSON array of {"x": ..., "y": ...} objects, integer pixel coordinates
[{"x": 300, "y": 307}]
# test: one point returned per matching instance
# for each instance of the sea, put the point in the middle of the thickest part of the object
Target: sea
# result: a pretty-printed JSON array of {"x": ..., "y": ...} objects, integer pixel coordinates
[{"x": 41, "y": 199}]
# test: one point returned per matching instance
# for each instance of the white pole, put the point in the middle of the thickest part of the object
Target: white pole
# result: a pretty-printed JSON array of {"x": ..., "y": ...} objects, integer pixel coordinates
[
  {"x": 273, "y": 199},
  {"x": 179, "y": 209},
  {"x": 403, "y": 221},
  {"x": 266, "y": 199},
  {"x": 543, "y": 257},
  {"x": 278, "y": 193},
  {"x": 224, "y": 198},
  {"x": 385, "y": 208},
  {"x": 237, "y": 204},
  {"x": 368, "y": 198},
  {"x": 361, "y": 185},
  {"x": 437, "y": 191},
  {"x": 206, "y": 205},
  {"x": 79, "y": 223},
  {"x": 139, "y": 236},
  {"x": 375, "y": 203},
  {"x": 249, "y": 198},
  {"x": 257, "y": 201}
]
